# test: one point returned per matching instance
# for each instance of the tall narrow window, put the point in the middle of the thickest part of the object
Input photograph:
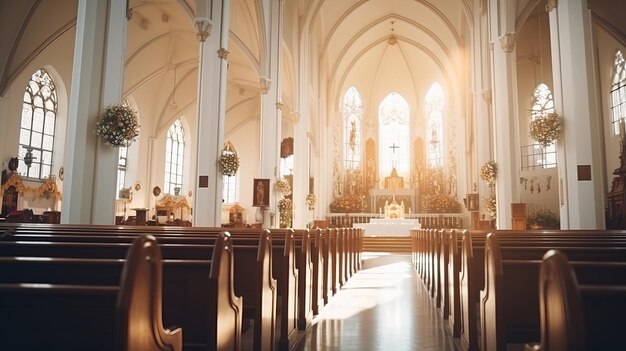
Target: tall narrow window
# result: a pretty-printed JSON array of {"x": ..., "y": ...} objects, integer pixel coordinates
[
  {"x": 434, "y": 102},
  {"x": 39, "y": 113},
  {"x": 229, "y": 191},
  {"x": 393, "y": 121},
  {"x": 121, "y": 168},
  {"x": 542, "y": 157},
  {"x": 352, "y": 115},
  {"x": 174, "y": 157},
  {"x": 618, "y": 92}
]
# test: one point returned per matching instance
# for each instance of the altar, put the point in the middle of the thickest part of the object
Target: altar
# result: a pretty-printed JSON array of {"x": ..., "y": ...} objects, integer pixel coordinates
[{"x": 388, "y": 227}]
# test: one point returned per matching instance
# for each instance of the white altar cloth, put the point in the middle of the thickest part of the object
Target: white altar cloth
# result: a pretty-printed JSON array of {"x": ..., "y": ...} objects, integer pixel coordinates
[{"x": 388, "y": 227}]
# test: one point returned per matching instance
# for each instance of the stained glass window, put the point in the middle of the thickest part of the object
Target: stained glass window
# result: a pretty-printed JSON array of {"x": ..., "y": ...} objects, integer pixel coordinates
[
  {"x": 230, "y": 186},
  {"x": 174, "y": 157},
  {"x": 543, "y": 104},
  {"x": 434, "y": 103},
  {"x": 393, "y": 126},
  {"x": 618, "y": 92},
  {"x": 39, "y": 113},
  {"x": 352, "y": 115}
]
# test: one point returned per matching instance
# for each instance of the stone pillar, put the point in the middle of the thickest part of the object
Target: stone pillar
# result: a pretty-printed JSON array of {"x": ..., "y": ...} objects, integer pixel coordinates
[
  {"x": 482, "y": 127},
  {"x": 4, "y": 107},
  {"x": 580, "y": 158},
  {"x": 271, "y": 114},
  {"x": 505, "y": 112},
  {"x": 212, "y": 26},
  {"x": 97, "y": 78}
]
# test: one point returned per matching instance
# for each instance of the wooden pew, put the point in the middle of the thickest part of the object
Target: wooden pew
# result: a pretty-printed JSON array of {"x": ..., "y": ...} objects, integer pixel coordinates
[
  {"x": 78, "y": 317},
  {"x": 509, "y": 308},
  {"x": 578, "y": 317},
  {"x": 191, "y": 285}
]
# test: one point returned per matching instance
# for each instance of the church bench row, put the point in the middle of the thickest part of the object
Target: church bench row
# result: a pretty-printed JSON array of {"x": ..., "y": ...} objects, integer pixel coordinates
[
  {"x": 204, "y": 308},
  {"x": 94, "y": 317},
  {"x": 510, "y": 298},
  {"x": 570, "y": 310},
  {"x": 345, "y": 259},
  {"x": 455, "y": 286},
  {"x": 351, "y": 252}
]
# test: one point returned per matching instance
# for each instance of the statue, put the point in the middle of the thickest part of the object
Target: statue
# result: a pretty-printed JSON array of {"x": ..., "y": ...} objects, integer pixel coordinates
[{"x": 260, "y": 193}]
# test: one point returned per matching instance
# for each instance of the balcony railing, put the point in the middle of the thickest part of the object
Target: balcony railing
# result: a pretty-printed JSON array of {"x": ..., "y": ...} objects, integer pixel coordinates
[{"x": 428, "y": 220}]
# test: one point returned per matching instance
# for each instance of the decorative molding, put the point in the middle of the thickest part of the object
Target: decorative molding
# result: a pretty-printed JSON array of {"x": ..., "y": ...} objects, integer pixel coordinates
[
  {"x": 296, "y": 115},
  {"x": 507, "y": 42},
  {"x": 203, "y": 27},
  {"x": 551, "y": 5},
  {"x": 280, "y": 105},
  {"x": 487, "y": 96},
  {"x": 265, "y": 84},
  {"x": 223, "y": 53}
]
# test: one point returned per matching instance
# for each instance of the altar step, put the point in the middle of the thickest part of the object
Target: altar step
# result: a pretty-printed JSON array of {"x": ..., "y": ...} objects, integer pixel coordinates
[{"x": 387, "y": 243}]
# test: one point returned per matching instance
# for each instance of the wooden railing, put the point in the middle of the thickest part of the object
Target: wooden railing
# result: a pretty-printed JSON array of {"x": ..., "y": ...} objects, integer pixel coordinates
[{"x": 428, "y": 220}]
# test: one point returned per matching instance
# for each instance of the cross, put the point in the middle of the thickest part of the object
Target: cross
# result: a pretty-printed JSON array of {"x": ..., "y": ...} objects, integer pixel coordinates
[{"x": 393, "y": 148}]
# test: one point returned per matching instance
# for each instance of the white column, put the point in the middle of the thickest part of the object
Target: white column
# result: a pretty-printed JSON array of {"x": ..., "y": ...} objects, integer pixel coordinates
[
  {"x": 505, "y": 112},
  {"x": 575, "y": 97},
  {"x": 97, "y": 78},
  {"x": 271, "y": 114},
  {"x": 482, "y": 130},
  {"x": 212, "y": 74}
]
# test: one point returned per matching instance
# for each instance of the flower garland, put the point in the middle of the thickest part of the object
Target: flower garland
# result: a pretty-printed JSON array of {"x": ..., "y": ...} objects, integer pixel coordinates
[
  {"x": 546, "y": 129},
  {"x": 311, "y": 200},
  {"x": 489, "y": 172},
  {"x": 490, "y": 205},
  {"x": 229, "y": 163},
  {"x": 282, "y": 186},
  {"x": 118, "y": 125},
  {"x": 285, "y": 207}
]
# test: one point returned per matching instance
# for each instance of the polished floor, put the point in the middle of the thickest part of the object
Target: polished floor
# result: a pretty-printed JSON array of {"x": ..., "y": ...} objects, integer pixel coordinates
[{"x": 382, "y": 307}]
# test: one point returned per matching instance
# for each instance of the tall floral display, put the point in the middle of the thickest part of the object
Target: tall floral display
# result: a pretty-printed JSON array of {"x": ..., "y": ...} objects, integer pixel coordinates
[{"x": 118, "y": 125}]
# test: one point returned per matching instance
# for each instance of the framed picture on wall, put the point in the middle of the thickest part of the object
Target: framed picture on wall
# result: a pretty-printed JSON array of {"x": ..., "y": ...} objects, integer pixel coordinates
[{"x": 261, "y": 192}]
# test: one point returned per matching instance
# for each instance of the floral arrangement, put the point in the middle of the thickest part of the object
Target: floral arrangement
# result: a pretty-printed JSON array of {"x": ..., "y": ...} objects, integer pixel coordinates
[
  {"x": 350, "y": 203},
  {"x": 118, "y": 125},
  {"x": 311, "y": 200},
  {"x": 490, "y": 205},
  {"x": 441, "y": 203},
  {"x": 282, "y": 186},
  {"x": 489, "y": 172},
  {"x": 285, "y": 207},
  {"x": 543, "y": 217},
  {"x": 229, "y": 162},
  {"x": 546, "y": 129}
]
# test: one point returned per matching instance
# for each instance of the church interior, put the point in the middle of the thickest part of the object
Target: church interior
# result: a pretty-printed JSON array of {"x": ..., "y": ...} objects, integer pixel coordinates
[{"x": 378, "y": 116}]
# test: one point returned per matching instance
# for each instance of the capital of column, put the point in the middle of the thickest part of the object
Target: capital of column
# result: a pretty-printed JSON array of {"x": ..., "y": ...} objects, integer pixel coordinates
[
  {"x": 551, "y": 5},
  {"x": 265, "y": 84},
  {"x": 223, "y": 53},
  {"x": 296, "y": 115},
  {"x": 507, "y": 42},
  {"x": 279, "y": 105},
  {"x": 203, "y": 27}
]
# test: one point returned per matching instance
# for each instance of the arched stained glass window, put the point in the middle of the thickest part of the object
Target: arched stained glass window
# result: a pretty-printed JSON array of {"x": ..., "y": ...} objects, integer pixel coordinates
[
  {"x": 174, "y": 157},
  {"x": 544, "y": 157},
  {"x": 618, "y": 92},
  {"x": 434, "y": 103},
  {"x": 393, "y": 122},
  {"x": 39, "y": 113},
  {"x": 352, "y": 116},
  {"x": 230, "y": 192}
]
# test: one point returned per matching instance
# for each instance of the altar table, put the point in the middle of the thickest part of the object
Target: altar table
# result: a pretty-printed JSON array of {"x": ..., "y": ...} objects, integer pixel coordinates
[{"x": 388, "y": 227}]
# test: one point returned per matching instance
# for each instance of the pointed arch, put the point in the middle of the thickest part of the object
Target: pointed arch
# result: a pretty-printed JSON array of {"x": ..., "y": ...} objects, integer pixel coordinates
[
  {"x": 543, "y": 103},
  {"x": 37, "y": 126},
  {"x": 393, "y": 128}
]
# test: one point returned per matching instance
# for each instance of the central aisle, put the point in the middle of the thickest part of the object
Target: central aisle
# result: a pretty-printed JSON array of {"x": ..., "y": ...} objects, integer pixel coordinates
[{"x": 382, "y": 307}]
